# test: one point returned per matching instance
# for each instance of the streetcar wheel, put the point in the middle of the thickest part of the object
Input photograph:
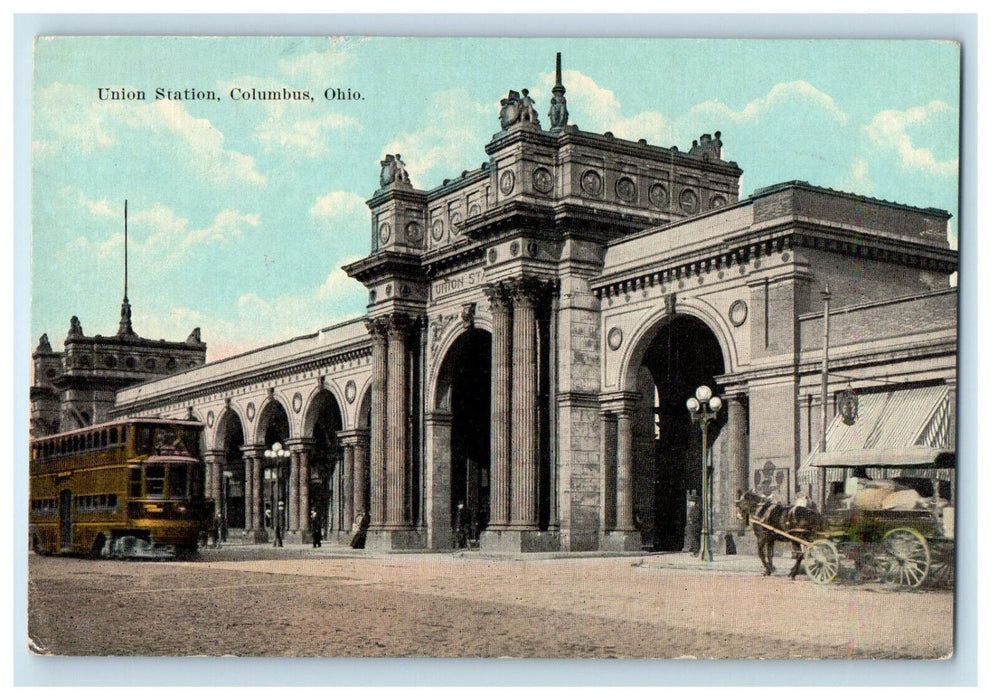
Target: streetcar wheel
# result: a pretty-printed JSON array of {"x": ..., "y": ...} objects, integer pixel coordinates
[
  {"x": 821, "y": 562},
  {"x": 98, "y": 547},
  {"x": 904, "y": 558}
]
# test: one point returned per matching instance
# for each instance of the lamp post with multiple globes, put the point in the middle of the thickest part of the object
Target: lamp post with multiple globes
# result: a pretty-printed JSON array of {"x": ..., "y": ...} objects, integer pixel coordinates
[
  {"x": 277, "y": 453},
  {"x": 703, "y": 408}
]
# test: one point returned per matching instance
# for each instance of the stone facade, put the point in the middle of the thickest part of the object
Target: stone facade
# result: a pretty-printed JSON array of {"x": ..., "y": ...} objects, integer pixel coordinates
[{"x": 534, "y": 328}]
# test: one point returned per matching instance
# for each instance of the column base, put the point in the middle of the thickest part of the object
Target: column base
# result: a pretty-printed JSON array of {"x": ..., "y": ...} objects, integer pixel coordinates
[
  {"x": 256, "y": 536},
  {"x": 621, "y": 541},
  {"x": 395, "y": 539},
  {"x": 509, "y": 541}
]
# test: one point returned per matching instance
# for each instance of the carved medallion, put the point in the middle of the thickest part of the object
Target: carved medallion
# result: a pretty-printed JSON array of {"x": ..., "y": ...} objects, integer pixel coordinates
[
  {"x": 110, "y": 360},
  {"x": 688, "y": 201},
  {"x": 210, "y": 420},
  {"x": 250, "y": 411},
  {"x": 614, "y": 338},
  {"x": 626, "y": 189},
  {"x": 738, "y": 312},
  {"x": 506, "y": 182},
  {"x": 514, "y": 249},
  {"x": 296, "y": 402},
  {"x": 455, "y": 221},
  {"x": 350, "y": 391},
  {"x": 414, "y": 232},
  {"x": 437, "y": 230},
  {"x": 543, "y": 182},
  {"x": 385, "y": 232},
  {"x": 532, "y": 248},
  {"x": 171, "y": 363},
  {"x": 717, "y": 201},
  {"x": 493, "y": 255},
  {"x": 150, "y": 364},
  {"x": 388, "y": 290},
  {"x": 592, "y": 183},
  {"x": 474, "y": 210},
  {"x": 658, "y": 194}
]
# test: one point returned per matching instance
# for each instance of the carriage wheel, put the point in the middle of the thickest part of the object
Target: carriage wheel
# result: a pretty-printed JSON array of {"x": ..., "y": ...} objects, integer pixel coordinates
[
  {"x": 904, "y": 558},
  {"x": 821, "y": 561}
]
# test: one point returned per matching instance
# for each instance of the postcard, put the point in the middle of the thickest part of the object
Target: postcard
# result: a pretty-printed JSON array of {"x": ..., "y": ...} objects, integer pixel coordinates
[{"x": 480, "y": 347}]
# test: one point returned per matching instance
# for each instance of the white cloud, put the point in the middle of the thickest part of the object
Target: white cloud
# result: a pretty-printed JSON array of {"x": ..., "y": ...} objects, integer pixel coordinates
[
  {"x": 321, "y": 67},
  {"x": 889, "y": 129},
  {"x": 796, "y": 91},
  {"x": 339, "y": 205},
  {"x": 306, "y": 137},
  {"x": 598, "y": 109},
  {"x": 159, "y": 234},
  {"x": 71, "y": 117},
  {"x": 450, "y": 139}
]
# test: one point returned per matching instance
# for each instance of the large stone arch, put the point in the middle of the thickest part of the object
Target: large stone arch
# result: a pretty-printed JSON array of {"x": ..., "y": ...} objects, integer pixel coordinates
[
  {"x": 228, "y": 467},
  {"x": 669, "y": 356},
  {"x": 438, "y": 359},
  {"x": 458, "y": 433},
  {"x": 322, "y": 423},
  {"x": 639, "y": 340}
]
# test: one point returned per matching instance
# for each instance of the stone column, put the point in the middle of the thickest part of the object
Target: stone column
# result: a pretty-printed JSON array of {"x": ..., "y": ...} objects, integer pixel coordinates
[
  {"x": 738, "y": 463},
  {"x": 623, "y": 407},
  {"x": 294, "y": 495},
  {"x": 523, "y": 512},
  {"x": 500, "y": 428},
  {"x": 396, "y": 493},
  {"x": 349, "y": 469},
  {"x": 253, "y": 458},
  {"x": 248, "y": 514},
  {"x": 214, "y": 460},
  {"x": 379, "y": 368},
  {"x": 361, "y": 476},
  {"x": 304, "y": 506},
  {"x": 625, "y": 470}
]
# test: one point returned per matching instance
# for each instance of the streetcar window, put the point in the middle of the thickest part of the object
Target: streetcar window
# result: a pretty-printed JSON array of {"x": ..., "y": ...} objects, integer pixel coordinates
[
  {"x": 114, "y": 436},
  {"x": 90, "y": 440},
  {"x": 178, "y": 481},
  {"x": 103, "y": 438},
  {"x": 112, "y": 501},
  {"x": 155, "y": 478},
  {"x": 135, "y": 482},
  {"x": 143, "y": 441}
]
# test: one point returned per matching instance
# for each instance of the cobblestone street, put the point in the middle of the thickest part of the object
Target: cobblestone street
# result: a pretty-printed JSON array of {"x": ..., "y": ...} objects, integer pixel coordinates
[{"x": 296, "y": 601}]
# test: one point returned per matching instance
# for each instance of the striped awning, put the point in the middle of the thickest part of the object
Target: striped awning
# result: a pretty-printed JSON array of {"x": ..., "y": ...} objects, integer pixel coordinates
[{"x": 901, "y": 432}]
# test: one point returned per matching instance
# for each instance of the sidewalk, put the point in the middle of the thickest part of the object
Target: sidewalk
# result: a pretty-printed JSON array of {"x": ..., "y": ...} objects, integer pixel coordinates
[{"x": 728, "y": 563}]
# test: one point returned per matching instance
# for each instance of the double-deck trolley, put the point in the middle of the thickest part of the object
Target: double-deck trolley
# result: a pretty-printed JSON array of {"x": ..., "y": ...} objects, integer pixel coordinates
[{"x": 123, "y": 489}]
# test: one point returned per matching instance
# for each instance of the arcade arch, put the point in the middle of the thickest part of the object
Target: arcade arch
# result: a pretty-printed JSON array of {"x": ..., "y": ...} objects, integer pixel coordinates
[
  {"x": 229, "y": 440},
  {"x": 677, "y": 355},
  {"x": 463, "y": 394},
  {"x": 325, "y": 482}
]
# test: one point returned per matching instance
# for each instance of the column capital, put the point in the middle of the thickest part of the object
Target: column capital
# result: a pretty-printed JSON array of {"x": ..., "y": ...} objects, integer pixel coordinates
[
  {"x": 377, "y": 327},
  {"x": 214, "y": 455},
  {"x": 529, "y": 291},
  {"x": 399, "y": 324},
  {"x": 300, "y": 444},
  {"x": 498, "y": 295},
  {"x": 620, "y": 401},
  {"x": 253, "y": 450},
  {"x": 352, "y": 437}
]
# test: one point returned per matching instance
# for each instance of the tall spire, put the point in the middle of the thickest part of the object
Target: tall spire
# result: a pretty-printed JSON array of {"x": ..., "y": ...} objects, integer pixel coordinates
[
  {"x": 558, "y": 114},
  {"x": 125, "y": 324}
]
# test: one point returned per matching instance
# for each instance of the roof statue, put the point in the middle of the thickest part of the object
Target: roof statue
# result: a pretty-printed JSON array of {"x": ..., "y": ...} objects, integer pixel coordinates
[
  {"x": 393, "y": 171},
  {"x": 517, "y": 109},
  {"x": 707, "y": 148},
  {"x": 558, "y": 114}
]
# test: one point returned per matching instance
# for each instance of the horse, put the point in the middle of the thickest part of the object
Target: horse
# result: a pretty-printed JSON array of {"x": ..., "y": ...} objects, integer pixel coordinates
[{"x": 799, "y": 521}]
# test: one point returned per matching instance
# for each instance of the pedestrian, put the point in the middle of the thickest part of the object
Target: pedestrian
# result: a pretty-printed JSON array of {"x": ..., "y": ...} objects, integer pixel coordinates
[
  {"x": 462, "y": 525},
  {"x": 316, "y": 526},
  {"x": 216, "y": 530},
  {"x": 694, "y": 522}
]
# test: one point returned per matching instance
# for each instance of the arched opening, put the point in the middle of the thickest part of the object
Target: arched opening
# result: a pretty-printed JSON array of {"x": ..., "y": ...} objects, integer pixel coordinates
[
  {"x": 464, "y": 391},
  {"x": 683, "y": 355},
  {"x": 231, "y": 439},
  {"x": 325, "y": 482},
  {"x": 275, "y": 427}
]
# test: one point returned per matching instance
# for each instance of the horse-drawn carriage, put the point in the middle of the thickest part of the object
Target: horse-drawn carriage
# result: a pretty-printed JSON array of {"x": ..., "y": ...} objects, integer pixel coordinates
[{"x": 890, "y": 515}]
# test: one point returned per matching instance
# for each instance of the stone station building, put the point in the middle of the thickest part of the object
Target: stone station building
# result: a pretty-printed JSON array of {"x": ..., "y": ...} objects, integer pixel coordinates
[{"x": 535, "y": 326}]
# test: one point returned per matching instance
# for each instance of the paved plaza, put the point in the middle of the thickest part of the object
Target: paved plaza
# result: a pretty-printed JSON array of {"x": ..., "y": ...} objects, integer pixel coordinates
[{"x": 334, "y": 601}]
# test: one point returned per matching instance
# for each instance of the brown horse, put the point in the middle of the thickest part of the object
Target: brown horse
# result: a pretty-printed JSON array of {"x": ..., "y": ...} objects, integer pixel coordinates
[{"x": 799, "y": 521}]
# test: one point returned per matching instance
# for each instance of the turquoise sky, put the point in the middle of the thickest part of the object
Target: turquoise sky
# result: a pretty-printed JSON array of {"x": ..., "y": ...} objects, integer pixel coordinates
[{"x": 241, "y": 213}]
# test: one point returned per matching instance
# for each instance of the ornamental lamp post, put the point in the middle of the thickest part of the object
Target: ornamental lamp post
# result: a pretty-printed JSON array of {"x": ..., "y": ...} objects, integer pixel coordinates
[
  {"x": 277, "y": 453},
  {"x": 703, "y": 408}
]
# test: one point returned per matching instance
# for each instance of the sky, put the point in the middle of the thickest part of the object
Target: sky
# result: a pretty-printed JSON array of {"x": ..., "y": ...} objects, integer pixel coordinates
[{"x": 241, "y": 213}]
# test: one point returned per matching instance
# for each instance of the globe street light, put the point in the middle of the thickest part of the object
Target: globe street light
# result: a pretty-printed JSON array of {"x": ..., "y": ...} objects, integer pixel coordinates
[
  {"x": 277, "y": 453},
  {"x": 703, "y": 408}
]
